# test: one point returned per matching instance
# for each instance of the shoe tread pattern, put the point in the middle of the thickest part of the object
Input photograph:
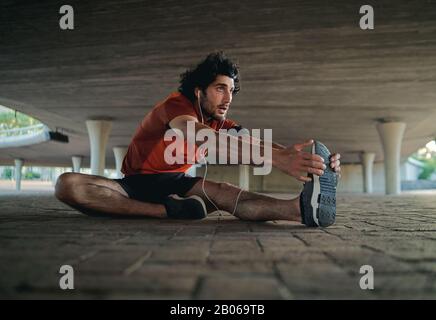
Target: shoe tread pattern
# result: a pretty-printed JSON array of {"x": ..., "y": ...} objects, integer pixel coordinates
[{"x": 326, "y": 213}]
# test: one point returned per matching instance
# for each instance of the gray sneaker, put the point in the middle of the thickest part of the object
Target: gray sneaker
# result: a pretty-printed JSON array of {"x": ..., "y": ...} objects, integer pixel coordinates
[{"x": 318, "y": 198}]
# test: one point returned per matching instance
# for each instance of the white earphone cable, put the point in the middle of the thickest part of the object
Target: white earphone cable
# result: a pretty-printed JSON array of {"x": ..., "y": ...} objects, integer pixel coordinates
[{"x": 205, "y": 172}]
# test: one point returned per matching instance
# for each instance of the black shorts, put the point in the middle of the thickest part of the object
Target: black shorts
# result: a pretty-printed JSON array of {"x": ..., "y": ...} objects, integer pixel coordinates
[{"x": 156, "y": 187}]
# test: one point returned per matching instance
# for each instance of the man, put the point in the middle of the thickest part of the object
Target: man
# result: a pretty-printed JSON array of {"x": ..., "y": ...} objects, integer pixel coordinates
[{"x": 153, "y": 188}]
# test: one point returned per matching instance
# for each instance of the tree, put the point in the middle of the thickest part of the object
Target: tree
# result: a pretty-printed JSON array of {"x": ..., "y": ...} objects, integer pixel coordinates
[
  {"x": 7, "y": 174},
  {"x": 12, "y": 120}
]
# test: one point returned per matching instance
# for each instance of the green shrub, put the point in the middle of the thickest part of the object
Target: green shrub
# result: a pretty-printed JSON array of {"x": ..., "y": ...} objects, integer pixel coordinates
[
  {"x": 429, "y": 168},
  {"x": 32, "y": 175},
  {"x": 7, "y": 174},
  {"x": 426, "y": 173}
]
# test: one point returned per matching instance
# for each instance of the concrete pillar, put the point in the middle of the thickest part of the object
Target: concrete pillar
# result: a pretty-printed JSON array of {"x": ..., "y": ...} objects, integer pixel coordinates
[
  {"x": 244, "y": 176},
  {"x": 257, "y": 183},
  {"x": 244, "y": 170},
  {"x": 119, "y": 153},
  {"x": 367, "y": 165},
  {"x": 18, "y": 168},
  {"x": 391, "y": 136},
  {"x": 98, "y": 131},
  {"x": 77, "y": 163}
]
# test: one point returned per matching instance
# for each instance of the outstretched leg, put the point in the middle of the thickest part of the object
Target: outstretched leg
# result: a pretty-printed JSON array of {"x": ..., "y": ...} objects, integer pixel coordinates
[
  {"x": 95, "y": 195},
  {"x": 251, "y": 205}
]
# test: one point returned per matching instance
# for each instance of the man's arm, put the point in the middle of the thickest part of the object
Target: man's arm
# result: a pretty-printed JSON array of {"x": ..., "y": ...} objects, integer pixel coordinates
[
  {"x": 235, "y": 144},
  {"x": 292, "y": 160},
  {"x": 259, "y": 141},
  {"x": 262, "y": 142},
  {"x": 335, "y": 163}
]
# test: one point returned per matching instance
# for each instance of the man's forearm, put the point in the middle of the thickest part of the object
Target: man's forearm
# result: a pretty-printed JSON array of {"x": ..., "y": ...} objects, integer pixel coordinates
[
  {"x": 237, "y": 149},
  {"x": 262, "y": 142},
  {"x": 278, "y": 146}
]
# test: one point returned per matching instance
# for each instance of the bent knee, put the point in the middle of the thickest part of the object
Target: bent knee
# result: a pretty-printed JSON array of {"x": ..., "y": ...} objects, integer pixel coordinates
[{"x": 64, "y": 186}]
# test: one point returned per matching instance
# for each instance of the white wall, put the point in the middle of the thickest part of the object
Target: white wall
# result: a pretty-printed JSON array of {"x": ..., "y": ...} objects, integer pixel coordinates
[
  {"x": 350, "y": 182},
  {"x": 379, "y": 178},
  {"x": 410, "y": 171},
  {"x": 351, "y": 178}
]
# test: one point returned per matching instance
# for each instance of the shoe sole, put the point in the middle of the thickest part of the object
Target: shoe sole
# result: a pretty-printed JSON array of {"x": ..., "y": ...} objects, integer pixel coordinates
[
  {"x": 320, "y": 194},
  {"x": 177, "y": 197}
]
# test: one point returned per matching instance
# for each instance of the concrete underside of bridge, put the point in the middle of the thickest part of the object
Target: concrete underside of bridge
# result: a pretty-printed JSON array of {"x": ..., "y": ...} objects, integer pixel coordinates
[{"x": 308, "y": 70}]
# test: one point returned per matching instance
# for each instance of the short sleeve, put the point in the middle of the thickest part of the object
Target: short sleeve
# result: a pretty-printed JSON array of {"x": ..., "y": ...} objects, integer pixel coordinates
[{"x": 177, "y": 108}]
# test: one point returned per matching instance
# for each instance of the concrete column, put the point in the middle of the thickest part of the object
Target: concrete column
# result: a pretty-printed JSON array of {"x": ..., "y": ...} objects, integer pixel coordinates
[
  {"x": 367, "y": 165},
  {"x": 244, "y": 170},
  {"x": 18, "y": 168},
  {"x": 98, "y": 131},
  {"x": 391, "y": 136},
  {"x": 119, "y": 153},
  {"x": 257, "y": 183},
  {"x": 244, "y": 176},
  {"x": 77, "y": 163}
]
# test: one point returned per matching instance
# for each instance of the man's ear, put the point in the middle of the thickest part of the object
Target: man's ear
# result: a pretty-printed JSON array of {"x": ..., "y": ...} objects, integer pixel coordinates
[{"x": 197, "y": 92}]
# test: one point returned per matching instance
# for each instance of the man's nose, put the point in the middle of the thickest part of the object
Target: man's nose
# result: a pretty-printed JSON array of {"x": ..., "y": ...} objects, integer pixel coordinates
[{"x": 228, "y": 97}]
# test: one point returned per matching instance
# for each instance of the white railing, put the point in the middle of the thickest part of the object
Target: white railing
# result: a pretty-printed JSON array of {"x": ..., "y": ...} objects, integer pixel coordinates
[
  {"x": 37, "y": 128},
  {"x": 25, "y": 136}
]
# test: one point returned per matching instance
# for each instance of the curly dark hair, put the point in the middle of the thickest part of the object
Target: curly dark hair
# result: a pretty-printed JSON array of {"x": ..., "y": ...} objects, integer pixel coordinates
[{"x": 205, "y": 73}]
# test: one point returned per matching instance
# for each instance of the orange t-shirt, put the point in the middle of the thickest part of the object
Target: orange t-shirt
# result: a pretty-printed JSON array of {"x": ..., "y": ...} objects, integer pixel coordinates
[{"x": 146, "y": 150}]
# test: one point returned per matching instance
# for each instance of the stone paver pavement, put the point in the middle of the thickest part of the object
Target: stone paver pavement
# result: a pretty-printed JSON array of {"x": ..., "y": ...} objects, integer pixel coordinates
[{"x": 219, "y": 257}]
